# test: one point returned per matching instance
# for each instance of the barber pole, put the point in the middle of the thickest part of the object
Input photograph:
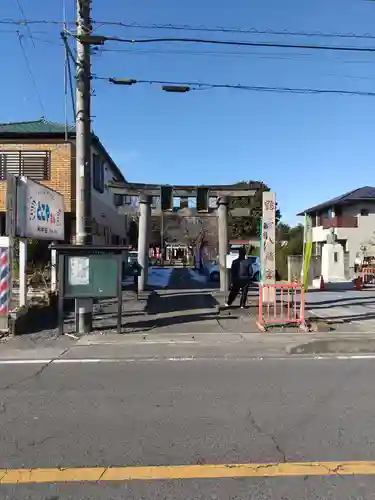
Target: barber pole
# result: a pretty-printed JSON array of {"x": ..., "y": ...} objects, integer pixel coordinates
[{"x": 4, "y": 281}]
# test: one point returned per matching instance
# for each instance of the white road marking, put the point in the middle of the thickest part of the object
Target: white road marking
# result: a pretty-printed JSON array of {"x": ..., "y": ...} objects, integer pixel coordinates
[
  {"x": 24, "y": 361},
  {"x": 62, "y": 361}
]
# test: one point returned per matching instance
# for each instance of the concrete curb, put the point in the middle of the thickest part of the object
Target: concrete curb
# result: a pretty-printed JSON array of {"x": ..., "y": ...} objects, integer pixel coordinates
[{"x": 353, "y": 345}]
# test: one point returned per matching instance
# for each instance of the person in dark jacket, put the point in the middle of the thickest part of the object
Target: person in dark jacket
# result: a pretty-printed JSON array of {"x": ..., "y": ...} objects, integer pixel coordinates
[{"x": 241, "y": 273}]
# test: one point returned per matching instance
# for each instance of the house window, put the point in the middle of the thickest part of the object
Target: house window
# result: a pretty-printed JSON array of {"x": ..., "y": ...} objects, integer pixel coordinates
[
  {"x": 33, "y": 164},
  {"x": 98, "y": 173},
  {"x": 118, "y": 200},
  {"x": 364, "y": 212},
  {"x": 338, "y": 211}
]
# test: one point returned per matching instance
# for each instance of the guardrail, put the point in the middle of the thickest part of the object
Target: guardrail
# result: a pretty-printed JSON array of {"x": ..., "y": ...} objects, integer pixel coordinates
[{"x": 281, "y": 304}]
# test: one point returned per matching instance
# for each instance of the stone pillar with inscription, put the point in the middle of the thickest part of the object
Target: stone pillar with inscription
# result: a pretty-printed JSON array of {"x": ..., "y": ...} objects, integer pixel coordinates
[
  {"x": 223, "y": 203},
  {"x": 267, "y": 252},
  {"x": 143, "y": 239}
]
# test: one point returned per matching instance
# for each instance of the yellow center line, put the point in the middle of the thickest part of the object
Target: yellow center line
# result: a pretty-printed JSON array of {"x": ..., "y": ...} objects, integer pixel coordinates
[{"x": 166, "y": 472}]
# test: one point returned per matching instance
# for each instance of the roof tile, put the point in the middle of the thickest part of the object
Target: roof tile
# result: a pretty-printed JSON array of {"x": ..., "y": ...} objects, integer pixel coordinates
[
  {"x": 364, "y": 193},
  {"x": 41, "y": 126}
]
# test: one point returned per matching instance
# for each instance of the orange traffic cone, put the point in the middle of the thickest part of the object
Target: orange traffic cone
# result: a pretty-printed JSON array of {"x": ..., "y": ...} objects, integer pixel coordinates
[
  {"x": 358, "y": 283},
  {"x": 322, "y": 286}
]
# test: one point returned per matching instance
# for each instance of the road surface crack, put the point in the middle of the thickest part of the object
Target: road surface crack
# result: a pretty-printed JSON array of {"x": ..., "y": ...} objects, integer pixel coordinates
[
  {"x": 220, "y": 325},
  {"x": 259, "y": 429},
  {"x": 102, "y": 474},
  {"x": 330, "y": 470},
  {"x": 36, "y": 374},
  {"x": 4, "y": 475},
  {"x": 34, "y": 443},
  {"x": 336, "y": 470}
]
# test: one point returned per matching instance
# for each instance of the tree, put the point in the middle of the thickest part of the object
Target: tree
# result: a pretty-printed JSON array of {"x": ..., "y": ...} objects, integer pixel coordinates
[
  {"x": 282, "y": 232},
  {"x": 248, "y": 226},
  {"x": 295, "y": 243},
  {"x": 294, "y": 246},
  {"x": 368, "y": 246}
]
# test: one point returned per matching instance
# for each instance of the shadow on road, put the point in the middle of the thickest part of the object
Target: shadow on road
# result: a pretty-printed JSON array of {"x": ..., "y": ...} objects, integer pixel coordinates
[
  {"x": 190, "y": 279},
  {"x": 146, "y": 325},
  {"x": 183, "y": 301}
]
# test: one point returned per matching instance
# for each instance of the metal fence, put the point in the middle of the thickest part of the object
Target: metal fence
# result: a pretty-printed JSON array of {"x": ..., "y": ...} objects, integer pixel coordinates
[{"x": 281, "y": 304}]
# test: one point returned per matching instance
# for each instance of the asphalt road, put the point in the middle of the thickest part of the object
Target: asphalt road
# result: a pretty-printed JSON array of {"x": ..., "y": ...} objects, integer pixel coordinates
[{"x": 197, "y": 412}]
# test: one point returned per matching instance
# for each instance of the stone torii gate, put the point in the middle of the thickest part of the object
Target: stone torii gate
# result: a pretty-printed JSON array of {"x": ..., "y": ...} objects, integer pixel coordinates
[{"x": 218, "y": 200}]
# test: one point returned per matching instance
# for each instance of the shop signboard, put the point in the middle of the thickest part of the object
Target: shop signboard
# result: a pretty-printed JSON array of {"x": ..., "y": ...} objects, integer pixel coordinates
[{"x": 40, "y": 211}]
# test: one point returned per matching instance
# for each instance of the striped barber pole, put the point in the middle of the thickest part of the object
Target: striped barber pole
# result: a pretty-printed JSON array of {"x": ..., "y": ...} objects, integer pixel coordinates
[{"x": 4, "y": 281}]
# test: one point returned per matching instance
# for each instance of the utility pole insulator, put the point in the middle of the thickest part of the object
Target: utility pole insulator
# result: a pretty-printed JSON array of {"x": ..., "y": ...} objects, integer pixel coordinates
[
  {"x": 91, "y": 40},
  {"x": 179, "y": 89},
  {"x": 122, "y": 81}
]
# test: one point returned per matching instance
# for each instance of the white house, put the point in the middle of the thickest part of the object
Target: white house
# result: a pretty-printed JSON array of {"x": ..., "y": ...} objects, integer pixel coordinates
[
  {"x": 351, "y": 216},
  {"x": 109, "y": 227}
]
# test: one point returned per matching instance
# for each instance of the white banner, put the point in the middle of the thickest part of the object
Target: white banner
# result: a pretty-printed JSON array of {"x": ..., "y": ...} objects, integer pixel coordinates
[{"x": 40, "y": 211}]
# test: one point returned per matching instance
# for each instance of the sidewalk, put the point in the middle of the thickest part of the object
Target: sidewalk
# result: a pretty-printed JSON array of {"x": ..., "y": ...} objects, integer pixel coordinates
[
  {"x": 181, "y": 308},
  {"x": 159, "y": 347},
  {"x": 354, "y": 308}
]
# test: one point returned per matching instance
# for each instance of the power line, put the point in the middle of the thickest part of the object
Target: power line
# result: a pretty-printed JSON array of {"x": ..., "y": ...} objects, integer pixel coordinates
[
  {"x": 254, "y": 88},
  {"x": 279, "y": 56},
  {"x": 24, "y": 22},
  {"x": 207, "y": 29},
  {"x": 24, "y": 19},
  {"x": 220, "y": 53},
  {"x": 233, "y": 43},
  {"x": 66, "y": 61},
  {"x": 219, "y": 29},
  {"x": 31, "y": 74}
]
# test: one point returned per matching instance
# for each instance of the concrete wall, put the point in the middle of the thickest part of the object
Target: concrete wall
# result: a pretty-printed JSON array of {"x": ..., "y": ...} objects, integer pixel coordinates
[
  {"x": 295, "y": 267},
  {"x": 315, "y": 269}
]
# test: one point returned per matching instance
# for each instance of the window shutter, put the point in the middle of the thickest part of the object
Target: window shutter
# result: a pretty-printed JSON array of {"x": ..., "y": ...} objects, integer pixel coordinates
[{"x": 33, "y": 164}]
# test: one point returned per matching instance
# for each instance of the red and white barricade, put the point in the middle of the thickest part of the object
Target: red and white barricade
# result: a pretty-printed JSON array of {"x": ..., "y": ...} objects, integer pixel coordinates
[
  {"x": 281, "y": 304},
  {"x": 368, "y": 276}
]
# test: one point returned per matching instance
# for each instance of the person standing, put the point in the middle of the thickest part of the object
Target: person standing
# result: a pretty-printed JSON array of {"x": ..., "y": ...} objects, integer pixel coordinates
[
  {"x": 357, "y": 263},
  {"x": 241, "y": 274}
]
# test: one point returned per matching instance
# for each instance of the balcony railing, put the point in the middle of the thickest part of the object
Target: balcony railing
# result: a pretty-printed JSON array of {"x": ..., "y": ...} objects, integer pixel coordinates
[{"x": 339, "y": 221}]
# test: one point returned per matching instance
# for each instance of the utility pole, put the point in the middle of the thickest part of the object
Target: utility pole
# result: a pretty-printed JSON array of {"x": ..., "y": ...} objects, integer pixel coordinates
[
  {"x": 161, "y": 231},
  {"x": 83, "y": 151}
]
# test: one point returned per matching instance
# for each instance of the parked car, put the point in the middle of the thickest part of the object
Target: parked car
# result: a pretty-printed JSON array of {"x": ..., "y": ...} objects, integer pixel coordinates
[
  {"x": 133, "y": 267},
  {"x": 132, "y": 257},
  {"x": 214, "y": 269}
]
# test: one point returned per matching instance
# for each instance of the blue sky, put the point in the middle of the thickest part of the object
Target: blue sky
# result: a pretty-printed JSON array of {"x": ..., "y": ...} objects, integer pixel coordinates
[{"x": 307, "y": 148}]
